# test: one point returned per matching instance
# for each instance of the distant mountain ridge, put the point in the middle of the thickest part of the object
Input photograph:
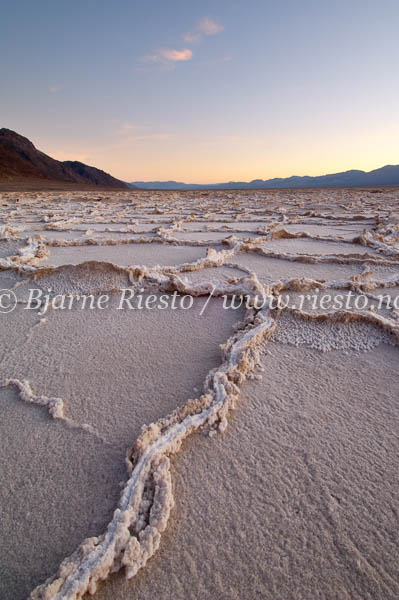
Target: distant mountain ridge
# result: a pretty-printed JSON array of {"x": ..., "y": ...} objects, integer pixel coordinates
[
  {"x": 388, "y": 175},
  {"x": 20, "y": 161}
]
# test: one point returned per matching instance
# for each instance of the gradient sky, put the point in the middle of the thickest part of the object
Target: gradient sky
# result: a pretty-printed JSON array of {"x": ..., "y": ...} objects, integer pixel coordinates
[{"x": 204, "y": 91}]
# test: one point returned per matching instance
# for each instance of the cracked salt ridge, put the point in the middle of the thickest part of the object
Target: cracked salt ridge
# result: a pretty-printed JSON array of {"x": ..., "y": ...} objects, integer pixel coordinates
[{"x": 55, "y": 406}]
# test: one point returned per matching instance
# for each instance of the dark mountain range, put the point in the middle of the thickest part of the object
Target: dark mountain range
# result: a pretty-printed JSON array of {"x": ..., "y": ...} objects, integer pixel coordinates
[
  {"x": 22, "y": 164},
  {"x": 386, "y": 176}
]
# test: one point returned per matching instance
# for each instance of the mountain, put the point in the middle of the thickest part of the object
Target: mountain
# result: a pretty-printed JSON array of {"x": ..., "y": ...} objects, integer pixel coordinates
[
  {"x": 22, "y": 164},
  {"x": 388, "y": 175}
]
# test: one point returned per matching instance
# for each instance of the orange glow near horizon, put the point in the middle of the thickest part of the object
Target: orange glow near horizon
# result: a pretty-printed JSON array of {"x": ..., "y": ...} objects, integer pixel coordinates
[{"x": 222, "y": 160}]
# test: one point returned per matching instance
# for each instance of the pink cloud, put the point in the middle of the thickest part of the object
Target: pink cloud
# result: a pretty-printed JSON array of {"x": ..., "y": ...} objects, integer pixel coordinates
[
  {"x": 169, "y": 55},
  {"x": 177, "y": 55}
]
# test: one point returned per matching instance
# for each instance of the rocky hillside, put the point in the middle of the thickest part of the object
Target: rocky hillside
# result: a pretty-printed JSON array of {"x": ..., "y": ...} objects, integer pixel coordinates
[{"x": 21, "y": 161}]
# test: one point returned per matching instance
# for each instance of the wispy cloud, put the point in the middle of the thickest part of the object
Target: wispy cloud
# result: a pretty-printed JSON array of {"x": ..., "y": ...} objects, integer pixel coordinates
[
  {"x": 203, "y": 28},
  {"x": 53, "y": 89},
  {"x": 169, "y": 55}
]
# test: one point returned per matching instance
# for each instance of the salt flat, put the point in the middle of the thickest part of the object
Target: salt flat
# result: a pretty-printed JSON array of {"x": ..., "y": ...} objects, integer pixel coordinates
[{"x": 125, "y": 471}]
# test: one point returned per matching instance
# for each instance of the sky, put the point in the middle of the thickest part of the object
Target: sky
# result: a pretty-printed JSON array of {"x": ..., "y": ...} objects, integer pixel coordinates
[{"x": 204, "y": 92}]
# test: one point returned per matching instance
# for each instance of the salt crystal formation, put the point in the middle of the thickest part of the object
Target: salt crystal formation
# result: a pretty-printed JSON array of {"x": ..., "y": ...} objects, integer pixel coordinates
[{"x": 350, "y": 229}]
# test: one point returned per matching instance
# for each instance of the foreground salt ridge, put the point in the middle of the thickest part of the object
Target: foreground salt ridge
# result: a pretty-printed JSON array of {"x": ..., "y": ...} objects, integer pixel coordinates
[
  {"x": 147, "y": 463},
  {"x": 55, "y": 406},
  {"x": 134, "y": 533}
]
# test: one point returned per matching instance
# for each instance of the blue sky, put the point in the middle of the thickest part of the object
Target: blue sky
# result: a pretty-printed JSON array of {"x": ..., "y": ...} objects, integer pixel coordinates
[{"x": 204, "y": 91}]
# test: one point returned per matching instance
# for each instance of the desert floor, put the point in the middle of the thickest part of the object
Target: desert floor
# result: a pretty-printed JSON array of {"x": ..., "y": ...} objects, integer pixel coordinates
[{"x": 222, "y": 450}]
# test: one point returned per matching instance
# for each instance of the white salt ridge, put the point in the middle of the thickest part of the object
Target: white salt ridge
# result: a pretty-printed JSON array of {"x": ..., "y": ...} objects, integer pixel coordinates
[{"x": 55, "y": 406}]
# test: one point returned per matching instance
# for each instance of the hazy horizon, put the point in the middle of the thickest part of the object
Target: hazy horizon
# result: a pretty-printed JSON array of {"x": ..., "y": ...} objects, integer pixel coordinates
[
  {"x": 260, "y": 178},
  {"x": 204, "y": 93}
]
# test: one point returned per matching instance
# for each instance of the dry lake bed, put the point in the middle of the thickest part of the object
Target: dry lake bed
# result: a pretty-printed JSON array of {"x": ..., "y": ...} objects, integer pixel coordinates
[{"x": 199, "y": 395}]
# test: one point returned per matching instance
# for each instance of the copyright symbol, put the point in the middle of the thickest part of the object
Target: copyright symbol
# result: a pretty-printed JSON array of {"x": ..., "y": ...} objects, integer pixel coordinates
[{"x": 8, "y": 301}]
